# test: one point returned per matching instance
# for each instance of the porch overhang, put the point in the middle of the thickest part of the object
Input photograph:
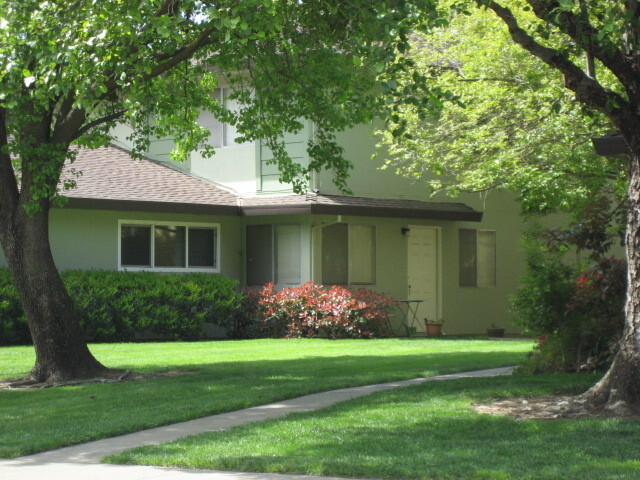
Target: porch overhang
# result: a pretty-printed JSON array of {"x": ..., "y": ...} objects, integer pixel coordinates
[{"x": 361, "y": 206}]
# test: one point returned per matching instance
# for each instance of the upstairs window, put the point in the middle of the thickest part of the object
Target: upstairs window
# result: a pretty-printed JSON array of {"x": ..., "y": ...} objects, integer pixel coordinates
[
  {"x": 168, "y": 246},
  {"x": 477, "y": 258},
  {"x": 222, "y": 134},
  {"x": 348, "y": 254}
]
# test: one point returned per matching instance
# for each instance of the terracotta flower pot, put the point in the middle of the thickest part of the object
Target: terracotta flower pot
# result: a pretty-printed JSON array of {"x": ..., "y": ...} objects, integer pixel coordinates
[{"x": 434, "y": 329}]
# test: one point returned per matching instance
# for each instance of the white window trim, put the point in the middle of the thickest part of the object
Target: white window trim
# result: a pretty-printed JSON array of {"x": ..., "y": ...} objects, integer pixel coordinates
[{"x": 152, "y": 223}]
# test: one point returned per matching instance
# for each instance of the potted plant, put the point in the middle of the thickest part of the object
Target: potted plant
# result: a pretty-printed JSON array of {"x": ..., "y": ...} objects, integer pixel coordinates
[
  {"x": 495, "y": 332},
  {"x": 434, "y": 328}
]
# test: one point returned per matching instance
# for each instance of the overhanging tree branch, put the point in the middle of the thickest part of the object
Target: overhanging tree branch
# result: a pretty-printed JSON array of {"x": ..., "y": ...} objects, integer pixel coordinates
[
  {"x": 587, "y": 90},
  {"x": 585, "y": 35},
  {"x": 99, "y": 121},
  {"x": 68, "y": 128}
]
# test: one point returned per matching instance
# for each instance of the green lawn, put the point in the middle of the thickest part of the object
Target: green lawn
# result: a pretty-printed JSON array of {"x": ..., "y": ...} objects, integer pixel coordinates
[
  {"x": 229, "y": 376},
  {"x": 427, "y": 431}
]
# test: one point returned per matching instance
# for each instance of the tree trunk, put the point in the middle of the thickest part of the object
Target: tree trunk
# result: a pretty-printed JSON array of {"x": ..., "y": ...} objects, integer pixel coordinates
[
  {"x": 61, "y": 351},
  {"x": 619, "y": 390}
]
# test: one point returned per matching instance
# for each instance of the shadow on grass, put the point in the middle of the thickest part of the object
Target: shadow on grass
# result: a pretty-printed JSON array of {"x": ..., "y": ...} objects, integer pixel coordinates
[
  {"x": 426, "y": 431},
  {"x": 32, "y": 421}
]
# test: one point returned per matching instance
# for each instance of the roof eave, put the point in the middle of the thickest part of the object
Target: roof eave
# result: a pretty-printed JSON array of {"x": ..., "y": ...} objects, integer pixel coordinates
[
  {"x": 148, "y": 206},
  {"x": 362, "y": 211}
]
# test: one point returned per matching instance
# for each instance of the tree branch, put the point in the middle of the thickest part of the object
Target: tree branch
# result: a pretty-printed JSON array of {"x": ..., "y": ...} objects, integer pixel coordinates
[
  {"x": 585, "y": 35},
  {"x": 168, "y": 7},
  {"x": 632, "y": 37},
  {"x": 181, "y": 55},
  {"x": 94, "y": 123},
  {"x": 587, "y": 89}
]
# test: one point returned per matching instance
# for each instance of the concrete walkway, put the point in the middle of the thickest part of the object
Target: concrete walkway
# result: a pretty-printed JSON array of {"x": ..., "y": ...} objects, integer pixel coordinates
[{"x": 82, "y": 461}]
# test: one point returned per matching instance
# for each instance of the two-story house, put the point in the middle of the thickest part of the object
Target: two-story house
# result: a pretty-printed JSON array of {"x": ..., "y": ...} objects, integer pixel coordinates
[{"x": 230, "y": 214}]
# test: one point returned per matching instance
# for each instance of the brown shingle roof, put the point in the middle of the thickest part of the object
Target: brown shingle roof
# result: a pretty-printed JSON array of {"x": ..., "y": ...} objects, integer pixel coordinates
[{"x": 112, "y": 180}]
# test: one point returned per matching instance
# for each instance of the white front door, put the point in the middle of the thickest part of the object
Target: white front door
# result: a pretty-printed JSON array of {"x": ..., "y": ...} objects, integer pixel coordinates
[{"x": 422, "y": 273}]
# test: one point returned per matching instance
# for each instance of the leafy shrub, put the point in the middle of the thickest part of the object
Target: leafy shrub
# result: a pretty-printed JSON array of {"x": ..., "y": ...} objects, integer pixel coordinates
[
  {"x": 121, "y": 306},
  {"x": 315, "y": 311},
  {"x": 13, "y": 324},
  {"x": 578, "y": 314}
]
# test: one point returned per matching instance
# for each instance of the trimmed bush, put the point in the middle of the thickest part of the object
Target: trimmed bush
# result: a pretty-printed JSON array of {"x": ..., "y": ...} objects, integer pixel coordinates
[
  {"x": 124, "y": 306},
  {"x": 314, "y": 311}
]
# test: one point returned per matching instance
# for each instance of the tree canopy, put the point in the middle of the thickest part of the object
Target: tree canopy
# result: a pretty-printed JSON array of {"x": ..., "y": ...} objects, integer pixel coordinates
[
  {"x": 70, "y": 71},
  {"x": 84, "y": 66},
  {"x": 511, "y": 123}
]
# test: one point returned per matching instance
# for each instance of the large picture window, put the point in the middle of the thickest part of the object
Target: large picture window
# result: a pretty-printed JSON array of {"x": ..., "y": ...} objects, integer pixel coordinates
[
  {"x": 477, "y": 258},
  {"x": 348, "y": 254},
  {"x": 168, "y": 246},
  {"x": 273, "y": 254}
]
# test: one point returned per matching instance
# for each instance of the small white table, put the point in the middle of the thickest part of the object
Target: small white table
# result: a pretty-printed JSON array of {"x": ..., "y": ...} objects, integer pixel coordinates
[{"x": 410, "y": 315}]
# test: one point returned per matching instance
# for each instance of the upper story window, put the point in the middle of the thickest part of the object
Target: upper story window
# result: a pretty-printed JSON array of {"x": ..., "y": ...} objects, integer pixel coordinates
[
  {"x": 222, "y": 134},
  {"x": 168, "y": 246},
  {"x": 477, "y": 258},
  {"x": 273, "y": 254},
  {"x": 348, "y": 254}
]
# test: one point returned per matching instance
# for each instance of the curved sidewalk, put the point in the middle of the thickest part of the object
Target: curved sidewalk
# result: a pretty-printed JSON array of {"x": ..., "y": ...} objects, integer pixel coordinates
[{"x": 82, "y": 461}]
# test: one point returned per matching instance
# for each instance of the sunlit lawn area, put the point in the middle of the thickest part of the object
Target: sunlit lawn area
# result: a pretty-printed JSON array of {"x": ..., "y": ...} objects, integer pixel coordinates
[
  {"x": 228, "y": 376},
  {"x": 428, "y": 431}
]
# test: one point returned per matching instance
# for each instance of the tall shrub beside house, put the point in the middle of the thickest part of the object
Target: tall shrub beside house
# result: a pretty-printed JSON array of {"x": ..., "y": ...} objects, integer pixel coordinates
[{"x": 576, "y": 311}]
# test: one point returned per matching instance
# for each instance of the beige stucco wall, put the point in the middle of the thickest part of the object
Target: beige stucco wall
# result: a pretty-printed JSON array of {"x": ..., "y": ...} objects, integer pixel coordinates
[{"x": 466, "y": 310}]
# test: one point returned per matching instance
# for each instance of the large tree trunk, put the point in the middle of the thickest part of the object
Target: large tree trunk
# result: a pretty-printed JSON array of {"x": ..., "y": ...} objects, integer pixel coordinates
[
  {"x": 61, "y": 352},
  {"x": 619, "y": 390}
]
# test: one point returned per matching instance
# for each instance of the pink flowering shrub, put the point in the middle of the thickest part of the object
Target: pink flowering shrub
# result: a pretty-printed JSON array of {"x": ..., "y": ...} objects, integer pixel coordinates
[{"x": 312, "y": 310}]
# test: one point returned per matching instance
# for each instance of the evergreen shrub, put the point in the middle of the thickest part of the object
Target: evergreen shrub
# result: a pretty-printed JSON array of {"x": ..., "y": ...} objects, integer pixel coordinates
[
  {"x": 124, "y": 306},
  {"x": 577, "y": 312}
]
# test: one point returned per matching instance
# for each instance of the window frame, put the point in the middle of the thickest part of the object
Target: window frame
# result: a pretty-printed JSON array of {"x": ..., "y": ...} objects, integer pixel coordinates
[
  {"x": 152, "y": 267},
  {"x": 495, "y": 257},
  {"x": 274, "y": 267},
  {"x": 222, "y": 94},
  {"x": 374, "y": 237}
]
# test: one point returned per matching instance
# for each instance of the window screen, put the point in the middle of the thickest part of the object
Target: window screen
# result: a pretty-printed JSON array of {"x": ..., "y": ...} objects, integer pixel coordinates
[
  {"x": 362, "y": 255},
  {"x": 165, "y": 246},
  {"x": 169, "y": 246},
  {"x": 486, "y": 258},
  {"x": 287, "y": 254},
  {"x": 468, "y": 265},
  {"x": 477, "y": 258},
  {"x": 335, "y": 254},
  {"x": 348, "y": 254},
  {"x": 202, "y": 247},
  {"x": 259, "y": 254},
  {"x": 135, "y": 245}
]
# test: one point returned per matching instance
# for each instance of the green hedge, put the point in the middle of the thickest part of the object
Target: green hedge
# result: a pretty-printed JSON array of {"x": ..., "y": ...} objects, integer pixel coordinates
[{"x": 123, "y": 306}]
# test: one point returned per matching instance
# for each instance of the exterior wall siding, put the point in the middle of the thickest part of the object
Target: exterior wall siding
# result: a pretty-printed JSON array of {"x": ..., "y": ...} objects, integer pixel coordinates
[{"x": 88, "y": 239}]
